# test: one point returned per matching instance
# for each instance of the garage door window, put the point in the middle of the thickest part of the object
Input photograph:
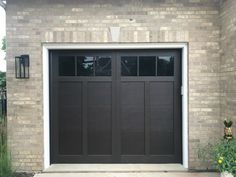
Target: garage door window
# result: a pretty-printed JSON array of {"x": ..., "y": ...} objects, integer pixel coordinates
[
  {"x": 165, "y": 66},
  {"x": 66, "y": 66},
  {"x": 129, "y": 65},
  {"x": 147, "y": 66},
  {"x": 84, "y": 66},
  {"x": 103, "y": 66}
]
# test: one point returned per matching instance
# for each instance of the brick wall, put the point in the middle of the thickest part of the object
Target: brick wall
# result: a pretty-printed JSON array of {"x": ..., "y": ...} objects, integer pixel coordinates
[
  {"x": 228, "y": 61},
  {"x": 31, "y": 23}
]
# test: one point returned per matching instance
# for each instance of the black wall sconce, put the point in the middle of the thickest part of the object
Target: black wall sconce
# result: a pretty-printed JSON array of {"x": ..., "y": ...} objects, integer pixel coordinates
[{"x": 22, "y": 66}]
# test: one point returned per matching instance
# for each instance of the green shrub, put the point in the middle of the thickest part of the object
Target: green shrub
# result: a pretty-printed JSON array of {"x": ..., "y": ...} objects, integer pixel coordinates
[
  {"x": 5, "y": 158},
  {"x": 222, "y": 155}
]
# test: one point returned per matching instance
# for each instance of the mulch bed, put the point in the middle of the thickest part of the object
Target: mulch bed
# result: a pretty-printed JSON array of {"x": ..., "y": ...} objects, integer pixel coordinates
[{"x": 23, "y": 175}]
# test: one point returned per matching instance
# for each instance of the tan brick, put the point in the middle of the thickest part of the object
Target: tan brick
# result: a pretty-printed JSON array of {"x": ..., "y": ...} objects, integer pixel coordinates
[{"x": 211, "y": 62}]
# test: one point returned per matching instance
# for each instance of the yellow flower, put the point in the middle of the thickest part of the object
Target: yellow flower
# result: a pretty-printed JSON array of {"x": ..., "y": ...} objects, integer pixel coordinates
[{"x": 221, "y": 158}]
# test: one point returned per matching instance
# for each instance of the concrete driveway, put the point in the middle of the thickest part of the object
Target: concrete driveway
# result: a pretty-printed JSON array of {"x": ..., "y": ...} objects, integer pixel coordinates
[
  {"x": 121, "y": 170},
  {"x": 129, "y": 174}
]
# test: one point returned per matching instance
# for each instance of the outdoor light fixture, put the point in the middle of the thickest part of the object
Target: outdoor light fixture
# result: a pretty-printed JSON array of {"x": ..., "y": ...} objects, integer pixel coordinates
[{"x": 22, "y": 67}]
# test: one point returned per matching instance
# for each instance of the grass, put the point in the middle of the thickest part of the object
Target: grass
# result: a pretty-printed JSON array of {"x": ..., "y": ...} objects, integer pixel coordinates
[{"x": 5, "y": 157}]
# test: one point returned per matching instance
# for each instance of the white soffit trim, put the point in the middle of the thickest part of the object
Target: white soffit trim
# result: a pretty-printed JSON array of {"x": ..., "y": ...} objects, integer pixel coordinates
[
  {"x": 115, "y": 45},
  {"x": 185, "y": 131},
  {"x": 51, "y": 46},
  {"x": 3, "y": 4},
  {"x": 46, "y": 109}
]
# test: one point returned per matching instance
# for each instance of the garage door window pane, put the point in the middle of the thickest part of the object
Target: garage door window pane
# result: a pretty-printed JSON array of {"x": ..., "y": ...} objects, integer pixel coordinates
[
  {"x": 129, "y": 66},
  {"x": 147, "y": 66},
  {"x": 103, "y": 66},
  {"x": 165, "y": 66},
  {"x": 85, "y": 66},
  {"x": 66, "y": 66}
]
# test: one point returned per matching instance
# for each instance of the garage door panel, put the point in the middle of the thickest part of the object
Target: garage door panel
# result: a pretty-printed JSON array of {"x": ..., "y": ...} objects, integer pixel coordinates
[
  {"x": 70, "y": 139},
  {"x": 162, "y": 142},
  {"x": 161, "y": 133},
  {"x": 132, "y": 130},
  {"x": 132, "y": 93},
  {"x": 133, "y": 143},
  {"x": 70, "y": 118},
  {"x": 161, "y": 93},
  {"x": 161, "y": 118},
  {"x": 99, "y": 130},
  {"x": 132, "y": 118},
  {"x": 99, "y": 142},
  {"x": 70, "y": 93},
  {"x": 99, "y": 93},
  {"x": 99, "y": 118}
]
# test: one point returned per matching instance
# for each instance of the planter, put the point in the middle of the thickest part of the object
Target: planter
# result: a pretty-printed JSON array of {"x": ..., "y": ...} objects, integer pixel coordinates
[
  {"x": 228, "y": 133},
  {"x": 226, "y": 174}
]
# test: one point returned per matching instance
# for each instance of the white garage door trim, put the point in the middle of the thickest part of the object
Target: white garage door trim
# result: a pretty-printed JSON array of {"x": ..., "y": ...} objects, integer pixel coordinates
[{"x": 182, "y": 46}]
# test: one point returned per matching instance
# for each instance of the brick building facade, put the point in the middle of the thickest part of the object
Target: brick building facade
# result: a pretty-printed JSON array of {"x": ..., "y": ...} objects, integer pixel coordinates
[{"x": 208, "y": 27}]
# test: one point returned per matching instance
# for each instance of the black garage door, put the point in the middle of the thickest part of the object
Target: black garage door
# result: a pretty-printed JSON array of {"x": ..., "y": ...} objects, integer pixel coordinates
[{"x": 115, "y": 106}]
